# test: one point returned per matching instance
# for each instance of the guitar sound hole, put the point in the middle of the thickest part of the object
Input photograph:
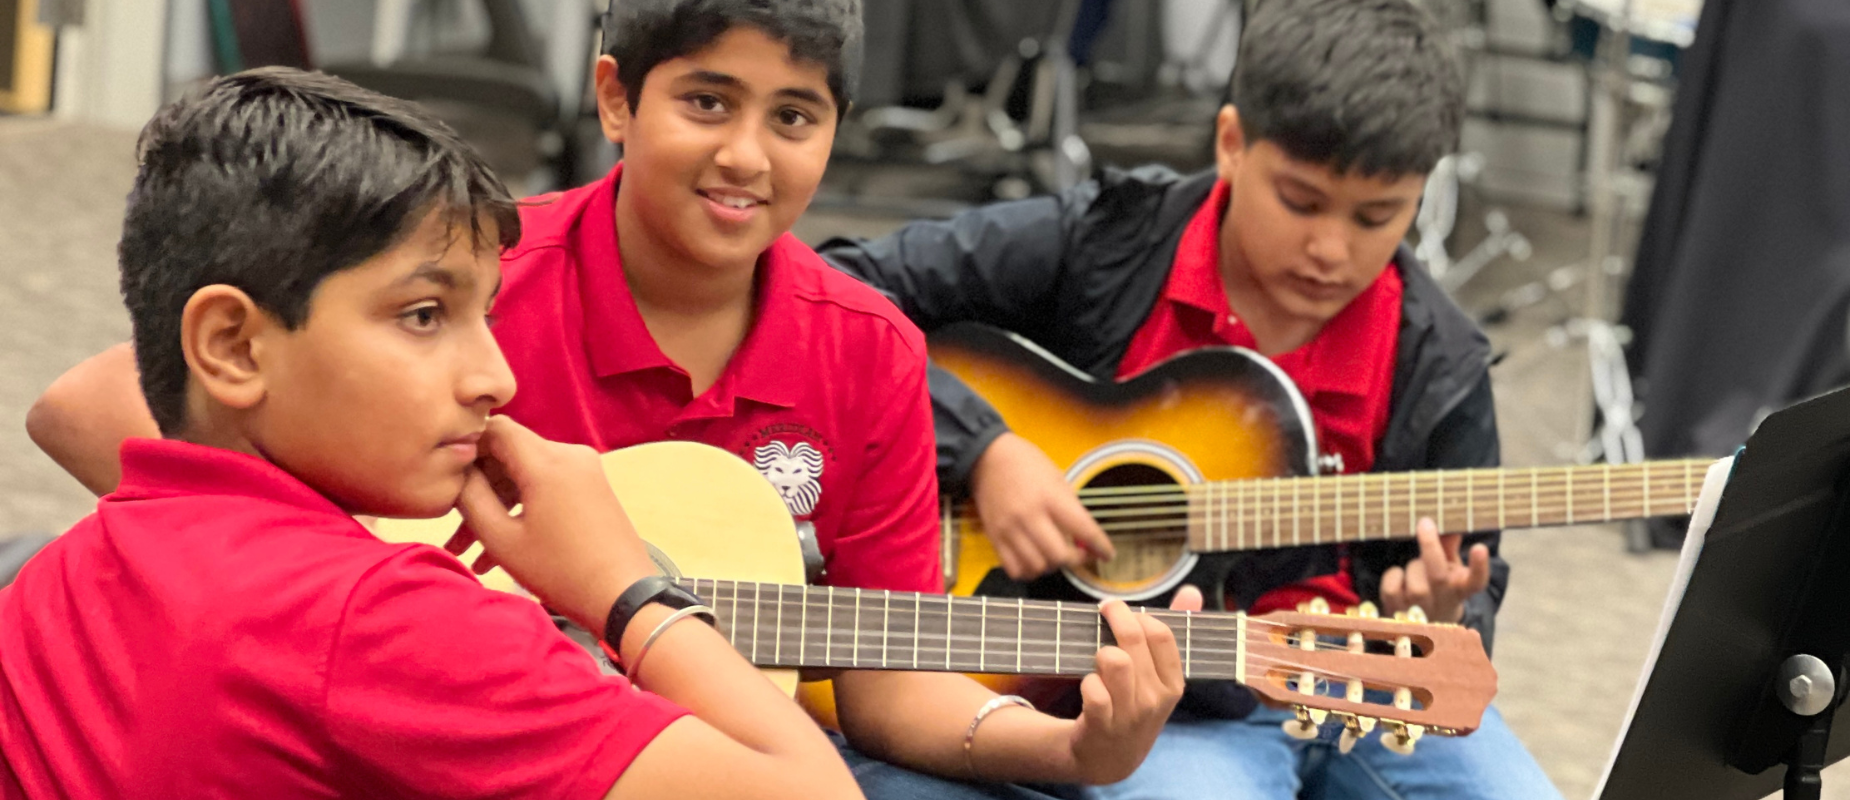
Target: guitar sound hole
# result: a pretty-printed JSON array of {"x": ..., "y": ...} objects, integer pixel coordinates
[{"x": 1146, "y": 514}]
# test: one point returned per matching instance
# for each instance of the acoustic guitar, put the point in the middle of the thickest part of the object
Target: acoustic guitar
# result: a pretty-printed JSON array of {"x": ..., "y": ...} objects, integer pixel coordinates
[
  {"x": 1212, "y": 453},
  {"x": 707, "y": 513}
]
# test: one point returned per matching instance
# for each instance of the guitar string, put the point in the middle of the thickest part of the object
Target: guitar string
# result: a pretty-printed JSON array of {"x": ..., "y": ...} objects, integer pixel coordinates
[
  {"x": 1622, "y": 503},
  {"x": 1203, "y": 622},
  {"x": 1667, "y": 472}
]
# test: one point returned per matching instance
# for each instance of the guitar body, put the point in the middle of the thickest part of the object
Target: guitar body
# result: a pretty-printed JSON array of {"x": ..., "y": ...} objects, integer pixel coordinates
[{"x": 1207, "y": 415}]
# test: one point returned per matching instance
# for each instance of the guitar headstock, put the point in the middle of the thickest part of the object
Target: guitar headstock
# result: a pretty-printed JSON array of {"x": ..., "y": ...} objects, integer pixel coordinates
[{"x": 1403, "y": 674}]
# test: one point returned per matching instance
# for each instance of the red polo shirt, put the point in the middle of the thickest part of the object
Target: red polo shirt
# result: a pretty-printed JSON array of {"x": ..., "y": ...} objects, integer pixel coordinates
[
  {"x": 218, "y": 629},
  {"x": 826, "y": 395},
  {"x": 1346, "y": 372}
]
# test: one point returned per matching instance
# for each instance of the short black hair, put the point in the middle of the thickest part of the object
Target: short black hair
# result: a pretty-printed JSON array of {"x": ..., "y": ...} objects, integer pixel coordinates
[
  {"x": 269, "y": 181},
  {"x": 1368, "y": 85},
  {"x": 641, "y": 34}
]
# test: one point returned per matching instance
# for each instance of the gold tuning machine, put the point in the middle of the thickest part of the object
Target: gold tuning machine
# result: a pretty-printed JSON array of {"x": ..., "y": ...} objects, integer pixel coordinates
[
  {"x": 1368, "y": 610},
  {"x": 1416, "y": 615},
  {"x": 1354, "y": 729},
  {"x": 1301, "y": 728},
  {"x": 1401, "y": 737}
]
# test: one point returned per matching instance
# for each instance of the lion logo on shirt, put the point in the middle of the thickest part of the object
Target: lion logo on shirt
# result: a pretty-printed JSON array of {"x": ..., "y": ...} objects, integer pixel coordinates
[{"x": 796, "y": 472}]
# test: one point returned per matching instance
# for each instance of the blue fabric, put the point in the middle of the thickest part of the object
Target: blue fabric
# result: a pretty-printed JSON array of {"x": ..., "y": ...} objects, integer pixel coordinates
[
  {"x": 882, "y": 781},
  {"x": 1253, "y": 759}
]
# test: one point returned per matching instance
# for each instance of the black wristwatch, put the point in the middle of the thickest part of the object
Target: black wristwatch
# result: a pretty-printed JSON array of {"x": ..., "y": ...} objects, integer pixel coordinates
[{"x": 653, "y": 589}]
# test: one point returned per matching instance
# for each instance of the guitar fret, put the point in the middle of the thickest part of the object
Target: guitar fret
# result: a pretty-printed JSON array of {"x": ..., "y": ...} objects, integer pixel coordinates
[
  {"x": 1021, "y": 630},
  {"x": 1570, "y": 494},
  {"x": 982, "y": 636},
  {"x": 886, "y": 616},
  {"x": 1535, "y": 495},
  {"x": 1607, "y": 475},
  {"x": 1339, "y": 510},
  {"x": 1296, "y": 539},
  {"x": 828, "y": 632},
  {"x": 918, "y": 627},
  {"x": 1412, "y": 487},
  {"x": 1057, "y": 630},
  {"x": 755, "y": 593},
  {"x": 1470, "y": 503},
  {"x": 1316, "y": 511},
  {"x": 949, "y": 604},
  {"x": 1240, "y": 520},
  {"x": 1276, "y": 505},
  {"x": 1501, "y": 520},
  {"x": 854, "y": 652},
  {"x": 777, "y": 640},
  {"x": 1188, "y": 644},
  {"x": 1439, "y": 516}
]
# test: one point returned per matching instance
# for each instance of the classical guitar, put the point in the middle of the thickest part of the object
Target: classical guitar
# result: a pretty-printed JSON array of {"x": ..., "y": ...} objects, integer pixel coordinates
[
  {"x": 706, "y": 513},
  {"x": 1213, "y": 452}
]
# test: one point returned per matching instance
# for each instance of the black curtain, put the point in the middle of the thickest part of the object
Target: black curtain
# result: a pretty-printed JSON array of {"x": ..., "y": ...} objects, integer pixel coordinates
[{"x": 1743, "y": 270}]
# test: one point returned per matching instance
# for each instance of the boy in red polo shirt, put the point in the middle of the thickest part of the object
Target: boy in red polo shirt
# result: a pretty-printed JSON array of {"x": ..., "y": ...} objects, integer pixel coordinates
[
  {"x": 669, "y": 301},
  {"x": 1289, "y": 247},
  {"x": 308, "y": 268}
]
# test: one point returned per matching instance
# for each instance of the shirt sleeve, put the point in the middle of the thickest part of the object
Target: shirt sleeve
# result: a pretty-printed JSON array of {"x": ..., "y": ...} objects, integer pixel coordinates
[
  {"x": 889, "y": 536},
  {"x": 440, "y": 688}
]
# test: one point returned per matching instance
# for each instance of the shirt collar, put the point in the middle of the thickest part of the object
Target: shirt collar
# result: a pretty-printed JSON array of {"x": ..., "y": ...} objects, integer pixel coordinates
[
  {"x": 618, "y": 341},
  {"x": 1196, "y": 281},
  {"x": 157, "y": 468}
]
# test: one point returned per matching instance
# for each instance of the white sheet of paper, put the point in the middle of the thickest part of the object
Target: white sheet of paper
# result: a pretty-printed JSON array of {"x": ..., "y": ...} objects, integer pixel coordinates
[{"x": 1699, "y": 522}]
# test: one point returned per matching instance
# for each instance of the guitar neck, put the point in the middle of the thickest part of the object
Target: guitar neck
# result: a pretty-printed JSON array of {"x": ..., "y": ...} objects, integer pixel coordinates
[
  {"x": 778, "y": 625},
  {"x": 1291, "y": 512}
]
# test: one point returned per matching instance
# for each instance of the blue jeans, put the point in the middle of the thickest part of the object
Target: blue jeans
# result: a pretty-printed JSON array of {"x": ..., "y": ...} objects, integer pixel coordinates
[
  {"x": 1253, "y": 759},
  {"x": 882, "y": 781}
]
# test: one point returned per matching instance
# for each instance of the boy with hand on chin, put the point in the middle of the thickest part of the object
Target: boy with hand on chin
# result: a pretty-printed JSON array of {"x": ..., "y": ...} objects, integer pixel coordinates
[
  {"x": 669, "y": 301},
  {"x": 1289, "y": 246},
  {"x": 309, "y": 269}
]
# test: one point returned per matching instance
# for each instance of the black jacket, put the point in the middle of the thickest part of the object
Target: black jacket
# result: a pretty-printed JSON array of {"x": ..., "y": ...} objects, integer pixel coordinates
[{"x": 1079, "y": 272}]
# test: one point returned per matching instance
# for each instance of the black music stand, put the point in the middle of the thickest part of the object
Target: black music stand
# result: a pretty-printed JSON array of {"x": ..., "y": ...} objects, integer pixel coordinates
[{"x": 1751, "y": 670}]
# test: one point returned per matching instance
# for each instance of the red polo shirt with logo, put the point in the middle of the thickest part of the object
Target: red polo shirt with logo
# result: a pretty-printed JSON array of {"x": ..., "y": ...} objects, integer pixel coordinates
[
  {"x": 825, "y": 396},
  {"x": 219, "y": 629},
  {"x": 1346, "y": 372}
]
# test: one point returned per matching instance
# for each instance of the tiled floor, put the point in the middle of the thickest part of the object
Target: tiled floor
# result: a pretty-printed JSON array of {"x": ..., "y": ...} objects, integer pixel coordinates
[{"x": 1573, "y": 631}]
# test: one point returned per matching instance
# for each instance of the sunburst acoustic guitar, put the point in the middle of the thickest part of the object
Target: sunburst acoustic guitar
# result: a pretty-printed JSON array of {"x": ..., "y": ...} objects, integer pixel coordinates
[
  {"x": 1211, "y": 454},
  {"x": 706, "y": 513}
]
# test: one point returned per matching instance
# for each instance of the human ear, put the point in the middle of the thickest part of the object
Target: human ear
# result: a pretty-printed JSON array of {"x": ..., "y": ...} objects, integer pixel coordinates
[
  {"x": 613, "y": 102},
  {"x": 221, "y": 331},
  {"x": 1229, "y": 142}
]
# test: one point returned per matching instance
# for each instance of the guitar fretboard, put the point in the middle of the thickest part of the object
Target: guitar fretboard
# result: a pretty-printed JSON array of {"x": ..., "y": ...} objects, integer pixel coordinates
[
  {"x": 1292, "y": 512},
  {"x": 778, "y": 625}
]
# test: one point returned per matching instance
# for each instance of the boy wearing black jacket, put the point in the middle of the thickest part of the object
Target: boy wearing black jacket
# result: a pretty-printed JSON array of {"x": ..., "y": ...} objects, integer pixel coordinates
[{"x": 1290, "y": 247}]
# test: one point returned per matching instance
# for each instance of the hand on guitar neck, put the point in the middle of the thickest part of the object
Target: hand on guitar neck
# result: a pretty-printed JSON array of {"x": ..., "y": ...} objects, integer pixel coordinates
[
  {"x": 1030, "y": 512},
  {"x": 1440, "y": 580}
]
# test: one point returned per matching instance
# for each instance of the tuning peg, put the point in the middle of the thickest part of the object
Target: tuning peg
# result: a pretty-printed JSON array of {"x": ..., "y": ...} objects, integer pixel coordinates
[
  {"x": 1367, "y": 610},
  {"x": 1401, "y": 737},
  {"x": 1416, "y": 615},
  {"x": 1352, "y": 733},
  {"x": 1317, "y": 715},
  {"x": 1317, "y": 605},
  {"x": 1301, "y": 728},
  {"x": 1400, "y": 616}
]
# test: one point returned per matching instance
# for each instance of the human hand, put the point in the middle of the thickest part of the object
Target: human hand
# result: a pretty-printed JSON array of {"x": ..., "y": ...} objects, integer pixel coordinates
[
  {"x": 571, "y": 545},
  {"x": 1030, "y": 514},
  {"x": 1438, "y": 581},
  {"x": 1130, "y": 695}
]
